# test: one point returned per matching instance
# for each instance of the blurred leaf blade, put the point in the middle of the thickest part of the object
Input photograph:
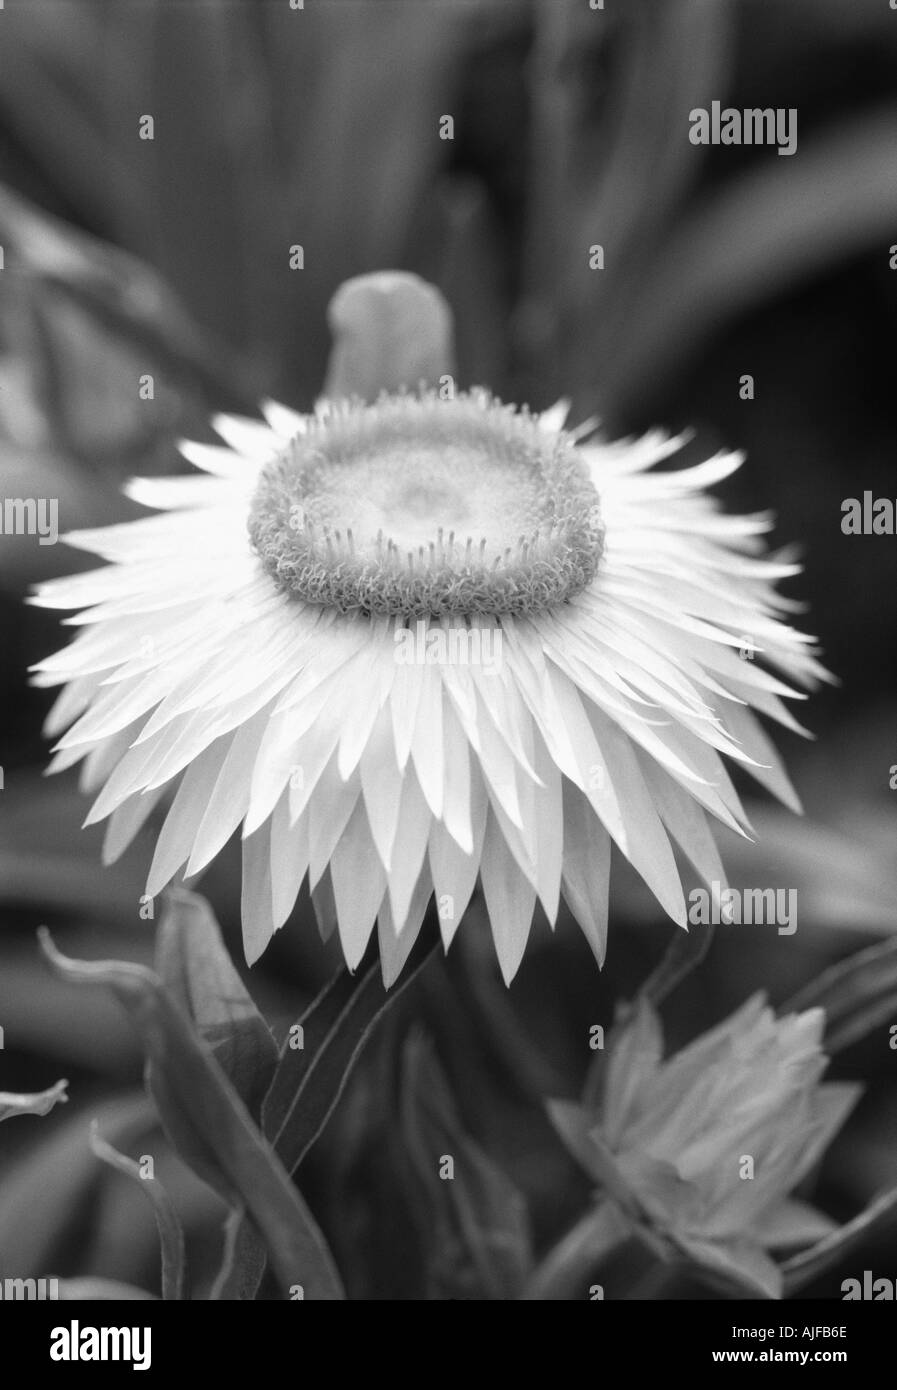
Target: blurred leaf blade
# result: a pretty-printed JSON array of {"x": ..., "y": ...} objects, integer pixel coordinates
[
  {"x": 171, "y": 1233},
  {"x": 37, "y": 1103},
  {"x": 100, "y": 1291},
  {"x": 193, "y": 963},
  {"x": 209, "y": 1124},
  {"x": 683, "y": 954},
  {"x": 304, "y": 1093},
  {"x": 481, "y": 1244},
  {"x": 880, "y": 1215},
  {"x": 306, "y": 1088},
  {"x": 43, "y": 1194},
  {"x": 243, "y": 1264},
  {"x": 120, "y": 290},
  {"x": 858, "y": 995},
  {"x": 776, "y": 226}
]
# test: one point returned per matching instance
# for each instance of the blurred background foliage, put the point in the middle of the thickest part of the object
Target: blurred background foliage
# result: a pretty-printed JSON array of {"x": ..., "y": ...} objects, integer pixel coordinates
[{"x": 276, "y": 127}]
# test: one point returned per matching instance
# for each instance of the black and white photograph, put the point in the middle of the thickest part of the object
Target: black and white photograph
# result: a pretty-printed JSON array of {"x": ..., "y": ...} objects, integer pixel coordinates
[{"x": 448, "y": 721}]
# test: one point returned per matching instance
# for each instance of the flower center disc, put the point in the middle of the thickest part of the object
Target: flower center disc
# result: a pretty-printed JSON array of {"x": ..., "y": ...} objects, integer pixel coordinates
[{"x": 419, "y": 507}]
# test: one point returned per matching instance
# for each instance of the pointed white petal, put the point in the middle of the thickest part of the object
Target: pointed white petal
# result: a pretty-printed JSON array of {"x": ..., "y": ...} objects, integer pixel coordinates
[
  {"x": 229, "y": 797},
  {"x": 248, "y": 437},
  {"x": 404, "y": 700},
  {"x": 324, "y": 904},
  {"x": 170, "y": 494},
  {"x": 381, "y": 784},
  {"x": 686, "y": 822},
  {"x": 586, "y": 873},
  {"x": 284, "y": 422},
  {"x": 454, "y": 873},
  {"x": 426, "y": 744},
  {"x": 412, "y": 834},
  {"x": 289, "y": 860},
  {"x": 767, "y": 769},
  {"x": 256, "y": 909},
  {"x": 510, "y": 900},
  {"x": 549, "y": 824},
  {"x": 457, "y": 793},
  {"x": 396, "y": 944},
  {"x": 212, "y": 458},
  {"x": 178, "y": 834},
  {"x": 329, "y": 811},
  {"x": 646, "y": 844},
  {"x": 126, "y": 821},
  {"x": 359, "y": 882}
]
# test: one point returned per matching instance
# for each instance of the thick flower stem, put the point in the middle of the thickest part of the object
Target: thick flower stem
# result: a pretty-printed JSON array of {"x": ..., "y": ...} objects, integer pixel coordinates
[{"x": 683, "y": 955}]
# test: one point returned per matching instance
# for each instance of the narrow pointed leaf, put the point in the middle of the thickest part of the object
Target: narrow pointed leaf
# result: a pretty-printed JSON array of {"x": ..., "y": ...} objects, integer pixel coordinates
[
  {"x": 858, "y": 995},
  {"x": 304, "y": 1093},
  {"x": 245, "y": 1258},
  {"x": 477, "y": 1222},
  {"x": 684, "y": 953},
  {"x": 100, "y": 1291},
  {"x": 307, "y": 1085},
  {"x": 209, "y": 1124},
  {"x": 38, "y": 1103},
  {"x": 880, "y": 1215},
  {"x": 171, "y": 1233},
  {"x": 194, "y": 964}
]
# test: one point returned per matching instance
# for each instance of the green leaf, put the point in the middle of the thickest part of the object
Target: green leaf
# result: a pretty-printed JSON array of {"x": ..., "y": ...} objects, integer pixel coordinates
[
  {"x": 879, "y": 1216},
  {"x": 737, "y": 1263},
  {"x": 209, "y": 1124},
  {"x": 82, "y": 322},
  {"x": 316, "y": 1024},
  {"x": 307, "y": 1085},
  {"x": 121, "y": 294},
  {"x": 499, "y": 1025},
  {"x": 599, "y": 1236},
  {"x": 38, "y": 1103},
  {"x": 100, "y": 1290},
  {"x": 858, "y": 995},
  {"x": 479, "y": 1244},
  {"x": 243, "y": 1266},
  {"x": 194, "y": 965},
  {"x": 254, "y": 83},
  {"x": 776, "y": 225},
  {"x": 60, "y": 1178},
  {"x": 620, "y": 169},
  {"x": 171, "y": 1233},
  {"x": 683, "y": 954},
  {"x": 309, "y": 1081}
]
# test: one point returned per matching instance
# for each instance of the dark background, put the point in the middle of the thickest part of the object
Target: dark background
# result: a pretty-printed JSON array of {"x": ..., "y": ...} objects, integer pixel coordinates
[{"x": 320, "y": 127}]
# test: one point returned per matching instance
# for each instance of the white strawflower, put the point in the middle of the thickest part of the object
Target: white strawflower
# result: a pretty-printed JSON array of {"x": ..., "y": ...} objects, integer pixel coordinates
[{"x": 418, "y": 641}]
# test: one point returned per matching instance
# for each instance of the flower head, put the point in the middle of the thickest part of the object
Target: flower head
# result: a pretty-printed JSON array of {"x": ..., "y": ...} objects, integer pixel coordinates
[
  {"x": 703, "y": 1149},
  {"x": 418, "y": 506},
  {"x": 243, "y": 656}
]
